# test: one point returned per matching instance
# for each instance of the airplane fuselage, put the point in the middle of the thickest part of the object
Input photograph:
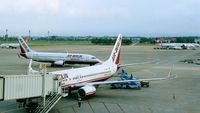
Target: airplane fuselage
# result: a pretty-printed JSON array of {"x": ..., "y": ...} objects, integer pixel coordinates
[
  {"x": 10, "y": 45},
  {"x": 59, "y": 58},
  {"x": 180, "y": 44},
  {"x": 54, "y": 58},
  {"x": 72, "y": 77}
]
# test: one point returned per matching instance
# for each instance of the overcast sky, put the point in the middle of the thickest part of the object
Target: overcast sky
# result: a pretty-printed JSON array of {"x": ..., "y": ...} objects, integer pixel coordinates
[{"x": 101, "y": 17}]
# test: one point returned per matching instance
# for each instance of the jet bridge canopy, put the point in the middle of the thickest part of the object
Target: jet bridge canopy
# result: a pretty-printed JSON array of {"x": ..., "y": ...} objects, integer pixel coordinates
[{"x": 26, "y": 86}]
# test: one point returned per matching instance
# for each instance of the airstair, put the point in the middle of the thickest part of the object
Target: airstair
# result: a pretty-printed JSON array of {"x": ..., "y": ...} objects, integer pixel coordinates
[{"x": 49, "y": 104}]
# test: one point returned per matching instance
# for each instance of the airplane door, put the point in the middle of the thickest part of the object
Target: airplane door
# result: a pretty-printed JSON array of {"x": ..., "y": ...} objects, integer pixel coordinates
[
  {"x": 79, "y": 78},
  {"x": 87, "y": 58}
]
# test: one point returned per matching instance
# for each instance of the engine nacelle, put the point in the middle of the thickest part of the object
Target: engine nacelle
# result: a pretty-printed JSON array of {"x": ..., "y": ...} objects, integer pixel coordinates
[
  {"x": 86, "y": 91},
  {"x": 60, "y": 63}
]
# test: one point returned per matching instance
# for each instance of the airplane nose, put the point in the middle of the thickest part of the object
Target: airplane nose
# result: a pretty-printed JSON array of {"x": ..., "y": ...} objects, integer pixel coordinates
[{"x": 99, "y": 60}]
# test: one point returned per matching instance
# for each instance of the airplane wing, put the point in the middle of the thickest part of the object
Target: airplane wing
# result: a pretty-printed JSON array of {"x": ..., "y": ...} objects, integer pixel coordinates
[
  {"x": 30, "y": 70},
  {"x": 132, "y": 64},
  {"x": 124, "y": 81}
]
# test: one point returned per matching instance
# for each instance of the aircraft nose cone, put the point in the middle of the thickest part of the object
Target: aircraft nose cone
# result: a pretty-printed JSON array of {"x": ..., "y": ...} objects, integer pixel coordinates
[{"x": 99, "y": 60}]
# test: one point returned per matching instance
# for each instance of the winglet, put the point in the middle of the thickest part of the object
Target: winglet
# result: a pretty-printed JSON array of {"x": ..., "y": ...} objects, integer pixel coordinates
[{"x": 30, "y": 69}]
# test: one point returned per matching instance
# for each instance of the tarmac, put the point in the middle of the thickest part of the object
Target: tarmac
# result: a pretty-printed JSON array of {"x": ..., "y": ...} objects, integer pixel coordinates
[{"x": 178, "y": 95}]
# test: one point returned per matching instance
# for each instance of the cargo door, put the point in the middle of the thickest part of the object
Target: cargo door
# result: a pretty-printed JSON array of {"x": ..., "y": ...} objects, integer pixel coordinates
[{"x": 1, "y": 88}]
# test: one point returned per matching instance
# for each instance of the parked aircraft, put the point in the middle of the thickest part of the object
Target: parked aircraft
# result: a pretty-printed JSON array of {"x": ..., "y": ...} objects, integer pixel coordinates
[
  {"x": 86, "y": 78},
  {"x": 10, "y": 45},
  {"x": 56, "y": 58},
  {"x": 180, "y": 45}
]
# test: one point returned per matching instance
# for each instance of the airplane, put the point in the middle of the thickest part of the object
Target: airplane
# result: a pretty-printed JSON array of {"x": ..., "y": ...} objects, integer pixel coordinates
[
  {"x": 86, "y": 79},
  {"x": 10, "y": 45},
  {"x": 180, "y": 45},
  {"x": 56, "y": 59}
]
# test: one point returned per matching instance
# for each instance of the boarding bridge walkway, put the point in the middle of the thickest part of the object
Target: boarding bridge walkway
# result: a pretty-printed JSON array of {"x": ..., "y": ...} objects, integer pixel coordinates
[{"x": 27, "y": 86}]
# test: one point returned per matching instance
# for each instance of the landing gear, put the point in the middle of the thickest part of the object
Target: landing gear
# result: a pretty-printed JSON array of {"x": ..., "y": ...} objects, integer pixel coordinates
[
  {"x": 69, "y": 91},
  {"x": 96, "y": 86},
  {"x": 52, "y": 65},
  {"x": 128, "y": 87}
]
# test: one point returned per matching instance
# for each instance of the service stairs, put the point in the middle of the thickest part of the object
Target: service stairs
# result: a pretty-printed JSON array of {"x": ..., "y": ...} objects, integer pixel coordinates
[{"x": 50, "y": 102}]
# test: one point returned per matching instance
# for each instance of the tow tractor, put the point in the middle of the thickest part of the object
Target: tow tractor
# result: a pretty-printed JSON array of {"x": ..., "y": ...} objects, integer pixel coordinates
[{"x": 134, "y": 84}]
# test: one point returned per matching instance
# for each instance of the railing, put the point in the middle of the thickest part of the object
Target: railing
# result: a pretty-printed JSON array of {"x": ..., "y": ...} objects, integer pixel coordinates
[{"x": 50, "y": 102}]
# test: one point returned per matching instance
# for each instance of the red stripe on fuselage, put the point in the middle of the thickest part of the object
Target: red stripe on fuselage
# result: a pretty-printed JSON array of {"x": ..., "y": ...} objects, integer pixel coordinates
[{"x": 87, "y": 81}]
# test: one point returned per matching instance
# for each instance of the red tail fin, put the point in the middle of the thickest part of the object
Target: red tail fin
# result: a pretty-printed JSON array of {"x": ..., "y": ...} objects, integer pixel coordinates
[{"x": 115, "y": 55}]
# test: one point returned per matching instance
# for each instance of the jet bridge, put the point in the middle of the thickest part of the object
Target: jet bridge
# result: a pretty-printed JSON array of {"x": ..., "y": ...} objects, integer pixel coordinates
[
  {"x": 24, "y": 88},
  {"x": 27, "y": 86}
]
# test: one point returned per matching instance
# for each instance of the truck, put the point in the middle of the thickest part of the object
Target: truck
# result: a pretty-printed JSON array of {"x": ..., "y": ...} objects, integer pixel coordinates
[{"x": 133, "y": 84}]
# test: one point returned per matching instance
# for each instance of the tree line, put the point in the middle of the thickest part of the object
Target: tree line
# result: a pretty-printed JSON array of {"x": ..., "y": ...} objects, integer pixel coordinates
[
  {"x": 109, "y": 41},
  {"x": 12, "y": 38}
]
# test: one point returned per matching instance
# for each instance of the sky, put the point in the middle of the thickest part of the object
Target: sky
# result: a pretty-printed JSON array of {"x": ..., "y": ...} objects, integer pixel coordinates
[{"x": 100, "y": 17}]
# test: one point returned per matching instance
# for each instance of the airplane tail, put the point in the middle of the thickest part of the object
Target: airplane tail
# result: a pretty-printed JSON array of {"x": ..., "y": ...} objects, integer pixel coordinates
[
  {"x": 23, "y": 46},
  {"x": 115, "y": 55}
]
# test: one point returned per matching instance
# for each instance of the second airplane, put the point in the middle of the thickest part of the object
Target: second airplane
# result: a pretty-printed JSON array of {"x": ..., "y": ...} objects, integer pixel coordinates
[{"x": 56, "y": 59}]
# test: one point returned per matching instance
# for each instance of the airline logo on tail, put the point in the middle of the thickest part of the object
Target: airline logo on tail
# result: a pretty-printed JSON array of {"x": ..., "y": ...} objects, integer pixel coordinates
[
  {"x": 116, "y": 50},
  {"x": 24, "y": 46}
]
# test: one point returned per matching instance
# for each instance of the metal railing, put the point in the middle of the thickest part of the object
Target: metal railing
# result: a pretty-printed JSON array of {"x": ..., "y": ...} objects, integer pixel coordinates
[{"x": 50, "y": 103}]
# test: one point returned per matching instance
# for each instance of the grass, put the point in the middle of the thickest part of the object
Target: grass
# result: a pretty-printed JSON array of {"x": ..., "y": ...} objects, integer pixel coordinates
[
  {"x": 68, "y": 42},
  {"x": 55, "y": 43},
  {"x": 143, "y": 44}
]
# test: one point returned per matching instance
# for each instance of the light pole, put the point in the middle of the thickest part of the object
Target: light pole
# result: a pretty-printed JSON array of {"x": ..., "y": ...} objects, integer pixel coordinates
[
  {"x": 48, "y": 35},
  {"x": 6, "y": 36},
  {"x": 29, "y": 34}
]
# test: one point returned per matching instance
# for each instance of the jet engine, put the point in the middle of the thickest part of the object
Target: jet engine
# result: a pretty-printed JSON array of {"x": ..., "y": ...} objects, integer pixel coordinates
[
  {"x": 59, "y": 63},
  {"x": 86, "y": 91}
]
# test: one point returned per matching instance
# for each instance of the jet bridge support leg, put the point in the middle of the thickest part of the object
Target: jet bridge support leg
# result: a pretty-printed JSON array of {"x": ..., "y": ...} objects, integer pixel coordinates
[{"x": 21, "y": 102}]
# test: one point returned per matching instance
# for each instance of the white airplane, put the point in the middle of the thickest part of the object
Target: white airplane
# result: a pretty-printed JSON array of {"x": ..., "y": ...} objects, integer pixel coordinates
[
  {"x": 86, "y": 78},
  {"x": 56, "y": 58},
  {"x": 10, "y": 45},
  {"x": 180, "y": 45}
]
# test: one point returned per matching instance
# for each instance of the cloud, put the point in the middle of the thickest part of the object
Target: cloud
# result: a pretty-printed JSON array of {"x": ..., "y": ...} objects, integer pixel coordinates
[
  {"x": 102, "y": 16},
  {"x": 29, "y": 6},
  {"x": 93, "y": 9}
]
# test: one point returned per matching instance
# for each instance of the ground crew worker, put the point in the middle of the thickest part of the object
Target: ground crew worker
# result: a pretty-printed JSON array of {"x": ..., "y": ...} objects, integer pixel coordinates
[
  {"x": 131, "y": 76},
  {"x": 79, "y": 101}
]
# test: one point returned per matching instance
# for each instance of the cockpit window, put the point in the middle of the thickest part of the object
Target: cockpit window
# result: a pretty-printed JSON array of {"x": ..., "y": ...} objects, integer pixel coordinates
[{"x": 93, "y": 58}]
